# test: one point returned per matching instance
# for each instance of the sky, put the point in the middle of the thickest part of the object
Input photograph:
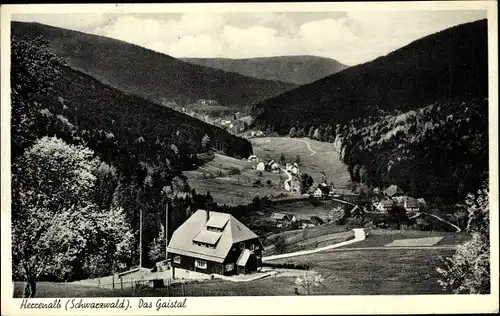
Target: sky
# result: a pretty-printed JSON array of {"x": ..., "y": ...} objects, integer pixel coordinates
[{"x": 351, "y": 37}]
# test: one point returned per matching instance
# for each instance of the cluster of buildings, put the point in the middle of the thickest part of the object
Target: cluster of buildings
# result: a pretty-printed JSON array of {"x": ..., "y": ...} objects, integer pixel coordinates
[
  {"x": 287, "y": 220},
  {"x": 271, "y": 165},
  {"x": 394, "y": 196}
]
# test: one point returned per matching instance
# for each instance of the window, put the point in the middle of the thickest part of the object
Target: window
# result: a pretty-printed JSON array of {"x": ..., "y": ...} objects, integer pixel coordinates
[
  {"x": 257, "y": 247},
  {"x": 177, "y": 259},
  {"x": 252, "y": 247},
  {"x": 200, "y": 264},
  {"x": 230, "y": 267},
  {"x": 242, "y": 245}
]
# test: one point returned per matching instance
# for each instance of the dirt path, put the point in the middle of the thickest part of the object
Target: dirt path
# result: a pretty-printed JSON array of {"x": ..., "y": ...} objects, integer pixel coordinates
[
  {"x": 359, "y": 235},
  {"x": 442, "y": 220},
  {"x": 313, "y": 152}
]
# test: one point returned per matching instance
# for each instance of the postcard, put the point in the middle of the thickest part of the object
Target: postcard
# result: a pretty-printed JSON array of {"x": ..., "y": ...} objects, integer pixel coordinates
[{"x": 251, "y": 158}]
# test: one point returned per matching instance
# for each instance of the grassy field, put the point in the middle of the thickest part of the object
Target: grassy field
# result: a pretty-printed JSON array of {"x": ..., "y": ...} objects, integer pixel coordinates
[
  {"x": 381, "y": 237},
  {"x": 60, "y": 290},
  {"x": 232, "y": 181},
  {"x": 362, "y": 272},
  {"x": 326, "y": 159}
]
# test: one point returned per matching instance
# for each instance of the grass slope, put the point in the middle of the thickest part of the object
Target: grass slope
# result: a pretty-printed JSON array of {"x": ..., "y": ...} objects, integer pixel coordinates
[
  {"x": 326, "y": 159},
  {"x": 450, "y": 64},
  {"x": 219, "y": 177},
  {"x": 150, "y": 74},
  {"x": 298, "y": 70}
]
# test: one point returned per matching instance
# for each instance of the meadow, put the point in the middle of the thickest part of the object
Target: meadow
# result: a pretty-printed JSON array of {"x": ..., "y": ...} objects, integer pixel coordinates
[{"x": 324, "y": 157}]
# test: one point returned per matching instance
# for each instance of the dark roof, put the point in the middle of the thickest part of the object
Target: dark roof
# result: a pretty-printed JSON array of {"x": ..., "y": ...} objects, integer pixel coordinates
[{"x": 317, "y": 220}]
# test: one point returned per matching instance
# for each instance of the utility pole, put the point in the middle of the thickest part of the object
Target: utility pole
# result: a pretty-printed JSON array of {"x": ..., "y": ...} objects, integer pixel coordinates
[
  {"x": 166, "y": 234},
  {"x": 140, "y": 239}
]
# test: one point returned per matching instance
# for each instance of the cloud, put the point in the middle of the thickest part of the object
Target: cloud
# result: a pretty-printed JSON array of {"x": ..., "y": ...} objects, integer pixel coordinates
[{"x": 350, "y": 37}]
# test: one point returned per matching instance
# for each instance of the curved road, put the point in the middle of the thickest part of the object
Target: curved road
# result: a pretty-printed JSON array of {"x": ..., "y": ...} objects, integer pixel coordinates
[{"x": 313, "y": 152}]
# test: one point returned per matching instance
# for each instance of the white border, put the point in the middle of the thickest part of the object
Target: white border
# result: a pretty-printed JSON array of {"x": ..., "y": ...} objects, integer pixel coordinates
[{"x": 266, "y": 305}]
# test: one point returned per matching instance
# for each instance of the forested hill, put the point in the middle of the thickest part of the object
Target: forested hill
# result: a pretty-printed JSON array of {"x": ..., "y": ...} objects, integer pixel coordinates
[
  {"x": 150, "y": 74},
  {"x": 298, "y": 70},
  {"x": 141, "y": 148},
  {"x": 449, "y": 65}
]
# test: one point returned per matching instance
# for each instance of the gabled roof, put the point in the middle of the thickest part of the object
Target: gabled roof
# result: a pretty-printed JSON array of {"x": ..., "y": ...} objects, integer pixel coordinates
[
  {"x": 195, "y": 229},
  {"x": 393, "y": 190},
  {"x": 411, "y": 202},
  {"x": 282, "y": 216},
  {"x": 387, "y": 202}
]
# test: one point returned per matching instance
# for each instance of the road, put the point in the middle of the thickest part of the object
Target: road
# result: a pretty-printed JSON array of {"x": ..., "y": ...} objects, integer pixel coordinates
[
  {"x": 359, "y": 235},
  {"x": 289, "y": 176},
  {"x": 313, "y": 152}
]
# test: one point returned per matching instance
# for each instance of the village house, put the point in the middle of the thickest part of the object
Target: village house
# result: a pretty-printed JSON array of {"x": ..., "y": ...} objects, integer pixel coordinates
[
  {"x": 283, "y": 220},
  {"x": 261, "y": 166},
  {"x": 213, "y": 242},
  {"x": 322, "y": 191},
  {"x": 411, "y": 205},
  {"x": 273, "y": 166},
  {"x": 384, "y": 206}
]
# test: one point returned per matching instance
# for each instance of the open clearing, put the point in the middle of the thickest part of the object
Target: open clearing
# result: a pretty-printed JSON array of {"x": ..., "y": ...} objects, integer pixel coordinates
[
  {"x": 323, "y": 158},
  {"x": 415, "y": 242},
  {"x": 232, "y": 181}
]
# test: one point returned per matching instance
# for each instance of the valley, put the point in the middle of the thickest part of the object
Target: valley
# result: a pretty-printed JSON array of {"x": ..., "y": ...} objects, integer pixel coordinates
[{"x": 247, "y": 176}]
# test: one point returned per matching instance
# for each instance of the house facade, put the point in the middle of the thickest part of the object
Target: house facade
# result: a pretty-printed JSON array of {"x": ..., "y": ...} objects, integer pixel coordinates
[{"x": 213, "y": 242}]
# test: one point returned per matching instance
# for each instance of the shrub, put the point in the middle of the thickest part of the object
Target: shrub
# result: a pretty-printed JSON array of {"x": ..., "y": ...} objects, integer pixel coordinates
[
  {"x": 286, "y": 265},
  {"x": 234, "y": 171}
]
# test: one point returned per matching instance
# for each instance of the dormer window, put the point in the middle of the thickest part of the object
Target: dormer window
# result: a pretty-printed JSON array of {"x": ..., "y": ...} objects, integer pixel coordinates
[{"x": 242, "y": 245}]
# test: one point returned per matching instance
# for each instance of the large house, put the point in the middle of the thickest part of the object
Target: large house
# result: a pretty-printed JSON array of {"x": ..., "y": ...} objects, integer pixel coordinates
[{"x": 213, "y": 242}]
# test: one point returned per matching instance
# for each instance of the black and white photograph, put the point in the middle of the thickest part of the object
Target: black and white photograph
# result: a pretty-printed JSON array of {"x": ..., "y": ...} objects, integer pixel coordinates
[{"x": 206, "y": 150}]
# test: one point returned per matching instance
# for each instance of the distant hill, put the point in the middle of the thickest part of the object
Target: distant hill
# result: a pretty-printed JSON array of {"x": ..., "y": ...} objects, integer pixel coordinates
[
  {"x": 150, "y": 74},
  {"x": 449, "y": 65},
  {"x": 417, "y": 118},
  {"x": 298, "y": 70}
]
